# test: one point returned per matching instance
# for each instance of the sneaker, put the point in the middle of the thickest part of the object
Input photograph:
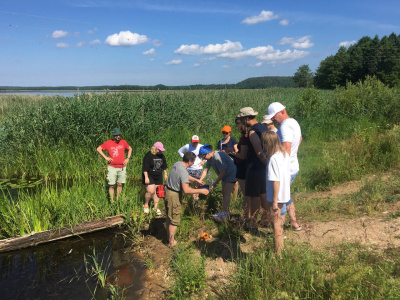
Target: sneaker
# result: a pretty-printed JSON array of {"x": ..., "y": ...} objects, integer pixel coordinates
[
  {"x": 157, "y": 212},
  {"x": 297, "y": 228},
  {"x": 222, "y": 216},
  {"x": 146, "y": 210}
]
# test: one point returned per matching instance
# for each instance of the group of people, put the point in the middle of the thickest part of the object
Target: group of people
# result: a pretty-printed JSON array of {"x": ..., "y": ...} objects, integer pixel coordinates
[{"x": 264, "y": 163}]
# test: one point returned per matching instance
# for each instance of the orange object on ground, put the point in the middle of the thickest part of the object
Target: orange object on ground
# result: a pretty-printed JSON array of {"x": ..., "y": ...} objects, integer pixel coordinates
[
  {"x": 204, "y": 236},
  {"x": 160, "y": 190}
]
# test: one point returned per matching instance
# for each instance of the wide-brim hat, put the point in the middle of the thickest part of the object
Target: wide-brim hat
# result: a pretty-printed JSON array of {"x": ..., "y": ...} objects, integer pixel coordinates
[
  {"x": 246, "y": 112},
  {"x": 267, "y": 121}
]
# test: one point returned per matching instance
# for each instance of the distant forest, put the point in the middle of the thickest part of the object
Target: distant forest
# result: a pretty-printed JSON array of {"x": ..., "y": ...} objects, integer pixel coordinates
[
  {"x": 250, "y": 83},
  {"x": 368, "y": 57}
]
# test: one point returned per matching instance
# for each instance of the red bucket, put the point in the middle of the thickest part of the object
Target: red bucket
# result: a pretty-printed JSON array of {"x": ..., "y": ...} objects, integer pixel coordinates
[{"x": 160, "y": 190}]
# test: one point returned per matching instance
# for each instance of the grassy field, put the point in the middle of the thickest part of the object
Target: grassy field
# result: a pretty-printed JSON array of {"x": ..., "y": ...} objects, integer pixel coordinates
[{"x": 49, "y": 158}]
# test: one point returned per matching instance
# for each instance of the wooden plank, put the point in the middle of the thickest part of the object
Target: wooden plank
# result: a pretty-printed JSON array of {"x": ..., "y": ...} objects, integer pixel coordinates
[{"x": 36, "y": 238}]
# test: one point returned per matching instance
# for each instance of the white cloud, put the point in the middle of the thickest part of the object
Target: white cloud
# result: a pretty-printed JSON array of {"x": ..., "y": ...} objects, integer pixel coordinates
[
  {"x": 174, "y": 62},
  {"x": 259, "y": 64},
  {"x": 80, "y": 44},
  {"x": 62, "y": 45},
  {"x": 297, "y": 43},
  {"x": 248, "y": 53},
  {"x": 347, "y": 43},
  {"x": 57, "y": 34},
  {"x": 149, "y": 52},
  {"x": 264, "y": 16},
  {"x": 126, "y": 39},
  {"x": 226, "y": 67},
  {"x": 284, "y": 22},
  {"x": 91, "y": 31},
  {"x": 95, "y": 42},
  {"x": 151, "y": 59},
  {"x": 196, "y": 49},
  {"x": 196, "y": 65},
  {"x": 283, "y": 57}
]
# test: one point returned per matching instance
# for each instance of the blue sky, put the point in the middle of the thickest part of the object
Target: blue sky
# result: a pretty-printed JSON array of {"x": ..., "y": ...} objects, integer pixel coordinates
[{"x": 177, "y": 42}]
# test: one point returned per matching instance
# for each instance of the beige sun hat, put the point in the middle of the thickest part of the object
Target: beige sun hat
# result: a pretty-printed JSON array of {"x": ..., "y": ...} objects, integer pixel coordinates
[{"x": 246, "y": 112}]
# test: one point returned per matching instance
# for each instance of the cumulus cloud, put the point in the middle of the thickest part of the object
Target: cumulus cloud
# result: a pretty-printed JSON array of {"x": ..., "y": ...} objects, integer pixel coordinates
[
  {"x": 174, "y": 62},
  {"x": 283, "y": 57},
  {"x": 196, "y": 65},
  {"x": 284, "y": 22},
  {"x": 248, "y": 53},
  {"x": 347, "y": 43},
  {"x": 225, "y": 67},
  {"x": 95, "y": 42},
  {"x": 196, "y": 49},
  {"x": 57, "y": 34},
  {"x": 149, "y": 52},
  {"x": 264, "y": 16},
  {"x": 297, "y": 43},
  {"x": 126, "y": 39},
  {"x": 259, "y": 64},
  {"x": 62, "y": 45},
  {"x": 80, "y": 44},
  {"x": 151, "y": 59}
]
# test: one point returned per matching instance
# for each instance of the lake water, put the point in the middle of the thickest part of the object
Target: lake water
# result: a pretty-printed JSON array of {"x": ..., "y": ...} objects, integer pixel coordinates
[
  {"x": 53, "y": 93},
  {"x": 58, "y": 270}
]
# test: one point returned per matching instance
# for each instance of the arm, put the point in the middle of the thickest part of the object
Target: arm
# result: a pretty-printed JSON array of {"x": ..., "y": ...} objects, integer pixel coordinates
[
  {"x": 242, "y": 154},
  {"x": 100, "y": 150},
  {"x": 287, "y": 146},
  {"x": 182, "y": 151},
  {"x": 219, "y": 178},
  {"x": 129, "y": 156},
  {"x": 256, "y": 142},
  {"x": 203, "y": 174},
  {"x": 188, "y": 190},
  {"x": 146, "y": 177},
  {"x": 275, "y": 193}
]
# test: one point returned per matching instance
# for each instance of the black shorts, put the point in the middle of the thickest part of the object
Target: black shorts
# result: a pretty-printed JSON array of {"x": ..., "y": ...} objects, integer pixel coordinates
[
  {"x": 256, "y": 182},
  {"x": 241, "y": 170},
  {"x": 157, "y": 180}
]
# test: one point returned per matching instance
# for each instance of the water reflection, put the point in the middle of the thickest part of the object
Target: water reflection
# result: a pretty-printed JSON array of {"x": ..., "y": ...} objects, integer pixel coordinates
[{"x": 57, "y": 270}]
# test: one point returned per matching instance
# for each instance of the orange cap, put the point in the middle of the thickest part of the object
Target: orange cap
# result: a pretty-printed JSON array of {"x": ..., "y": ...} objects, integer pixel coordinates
[{"x": 226, "y": 128}]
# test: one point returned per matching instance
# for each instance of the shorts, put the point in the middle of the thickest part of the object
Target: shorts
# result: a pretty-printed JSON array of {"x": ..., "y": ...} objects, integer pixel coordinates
[
  {"x": 157, "y": 180},
  {"x": 195, "y": 173},
  {"x": 241, "y": 170},
  {"x": 256, "y": 182},
  {"x": 115, "y": 175},
  {"x": 284, "y": 210},
  {"x": 173, "y": 206}
]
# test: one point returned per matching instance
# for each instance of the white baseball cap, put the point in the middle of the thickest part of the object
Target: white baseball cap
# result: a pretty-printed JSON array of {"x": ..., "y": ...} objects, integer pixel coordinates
[
  {"x": 273, "y": 109},
  {"x": 195, "y": 139}
]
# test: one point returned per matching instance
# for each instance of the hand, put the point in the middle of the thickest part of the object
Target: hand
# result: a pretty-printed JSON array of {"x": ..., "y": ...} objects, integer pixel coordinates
[
  {"x": 201, "y": 182},
  {"x": 204, "y": 191},
  {"x": 126, "y": 161},
  {"x": 109, "y": 159},
  {"x": 202, "y": 163},
  {"x": 275, "y": 206},
  {"x": 146, "y": 181},
  {"x": 212, "y": 186},
  {"x": 166, "y": 177}
]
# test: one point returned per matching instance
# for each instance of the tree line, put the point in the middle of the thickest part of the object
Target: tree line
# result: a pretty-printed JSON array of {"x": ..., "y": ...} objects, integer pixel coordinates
[
  {"x": 368, "y": 57},
  {"x": 250, "y": 83}
]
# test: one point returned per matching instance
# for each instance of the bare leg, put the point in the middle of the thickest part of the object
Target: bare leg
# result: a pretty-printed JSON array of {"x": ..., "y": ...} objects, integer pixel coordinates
[
  {"x": 111, "y": 192},
  {"x": 119, "y": 189},
  {"x": 155, "y": 197},
  {"x": 246, "y": 200},
  {"x": 150, "y": 190},
  {"x": 278, "y": 230},
  {"x": 171, "y": 233},
  {"x": 292, "y": 213},
  {"x": 255, "y": 208},
  {"x": 235, "y": 191},
  {"x": 227, "y": 188}
]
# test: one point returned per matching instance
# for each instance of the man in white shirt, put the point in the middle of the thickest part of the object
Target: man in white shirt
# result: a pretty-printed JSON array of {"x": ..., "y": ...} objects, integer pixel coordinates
[
  {"x": 196, "y": 169},
  {"x": 290, "y": 135}
]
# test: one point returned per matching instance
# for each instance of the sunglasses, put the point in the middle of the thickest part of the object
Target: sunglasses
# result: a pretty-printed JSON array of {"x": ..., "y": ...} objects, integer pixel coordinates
[{"x": 224, "y": 132}]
